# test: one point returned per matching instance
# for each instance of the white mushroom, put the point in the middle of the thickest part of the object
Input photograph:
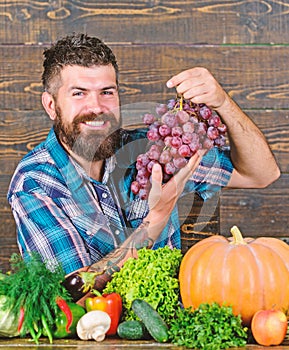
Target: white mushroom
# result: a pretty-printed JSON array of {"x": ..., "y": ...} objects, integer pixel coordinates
[{"x": 93, "y": 325}]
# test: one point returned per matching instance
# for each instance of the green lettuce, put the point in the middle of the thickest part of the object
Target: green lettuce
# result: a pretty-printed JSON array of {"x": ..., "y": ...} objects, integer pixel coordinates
[
  {"x": 8, "y": 319},
  {"x": 153, "y": 277}
]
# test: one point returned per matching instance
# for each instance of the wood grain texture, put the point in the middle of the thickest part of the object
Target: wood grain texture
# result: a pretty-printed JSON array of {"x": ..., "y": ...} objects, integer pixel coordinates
[
  {"x": 256, "y": 77},
  {"x": 153, "y": 21},
  {"x": 244, "y": 43},
  {"x": 262, "y": 212}
]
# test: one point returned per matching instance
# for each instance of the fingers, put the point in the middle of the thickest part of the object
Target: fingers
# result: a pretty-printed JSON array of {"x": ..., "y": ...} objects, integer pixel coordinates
[
  {"x": 186, "y": 172},
  {"x": 173, "y": 188},
  {"x": 194, "y": 73},
  {"x": 199, "y": 86},
  {"x": 156, "y": 186}
]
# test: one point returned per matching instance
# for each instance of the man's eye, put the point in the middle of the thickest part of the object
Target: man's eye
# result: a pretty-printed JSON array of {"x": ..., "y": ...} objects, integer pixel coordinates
[
  {"x": 77, "y": 93},
  {"x": 107, "y": 92}
]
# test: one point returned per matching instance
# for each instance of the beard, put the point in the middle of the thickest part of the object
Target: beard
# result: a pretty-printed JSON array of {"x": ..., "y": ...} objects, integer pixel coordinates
[{"x": 91, "y": 145}]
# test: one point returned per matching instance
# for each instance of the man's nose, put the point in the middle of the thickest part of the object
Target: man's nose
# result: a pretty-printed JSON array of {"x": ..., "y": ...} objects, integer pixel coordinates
[{"x": 94, "y": 104}]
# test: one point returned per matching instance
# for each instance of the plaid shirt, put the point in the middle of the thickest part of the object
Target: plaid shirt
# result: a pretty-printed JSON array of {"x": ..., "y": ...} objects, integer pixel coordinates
[{"x": 57, "y": 208}]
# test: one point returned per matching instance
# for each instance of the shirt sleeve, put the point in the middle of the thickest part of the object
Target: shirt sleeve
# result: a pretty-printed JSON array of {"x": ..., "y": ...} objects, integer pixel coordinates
[
  {"x": 43, "y": 227},
  {"x": 213, "y": 173}
]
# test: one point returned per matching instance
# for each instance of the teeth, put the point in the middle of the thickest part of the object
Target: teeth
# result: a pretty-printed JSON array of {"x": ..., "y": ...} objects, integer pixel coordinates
[{"x": 95, "y": 123}]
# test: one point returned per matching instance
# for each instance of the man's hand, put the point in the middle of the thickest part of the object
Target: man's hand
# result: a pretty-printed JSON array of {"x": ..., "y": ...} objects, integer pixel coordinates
[
  {"x": 163, "y": 197},
  {"x": 199, "y": 85}
]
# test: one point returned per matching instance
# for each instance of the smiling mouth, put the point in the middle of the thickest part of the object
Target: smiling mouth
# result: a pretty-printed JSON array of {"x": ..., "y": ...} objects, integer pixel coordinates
[{"x": 95, "y": 123}]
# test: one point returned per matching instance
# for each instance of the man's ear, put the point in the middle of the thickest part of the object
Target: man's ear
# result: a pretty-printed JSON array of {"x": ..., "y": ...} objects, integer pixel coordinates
[{"x": 49, "y": 104}]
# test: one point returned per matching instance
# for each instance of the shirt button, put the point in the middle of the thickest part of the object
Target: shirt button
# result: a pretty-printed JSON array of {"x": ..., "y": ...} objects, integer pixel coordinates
[
  {"x": 104, "y": 195},
  {"x": 117, "y": 232}
]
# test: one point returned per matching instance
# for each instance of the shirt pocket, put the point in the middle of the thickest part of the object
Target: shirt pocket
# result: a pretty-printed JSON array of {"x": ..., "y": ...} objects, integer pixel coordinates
[
  {"x": 86, "y": 219},
  {"x": 137, "y": 209}
]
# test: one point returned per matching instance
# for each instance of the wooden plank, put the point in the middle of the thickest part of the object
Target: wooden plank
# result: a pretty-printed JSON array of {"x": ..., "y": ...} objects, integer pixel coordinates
[
  {"x": 256, "y": 77},
  {"x": 257, "y": 212},
  {"x": 262, "y": 212},
  {"x": 112, "y": 343},
  {"x": 22, "y": 130},
  {"x": 7, "y": 237},
  {"x": 198, "y": 219},
  {"x": 198, "y": 21}
]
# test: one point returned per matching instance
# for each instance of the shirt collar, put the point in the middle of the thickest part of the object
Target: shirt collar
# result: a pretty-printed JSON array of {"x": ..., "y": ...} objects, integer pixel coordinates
[{"x": 71, "y": 171}]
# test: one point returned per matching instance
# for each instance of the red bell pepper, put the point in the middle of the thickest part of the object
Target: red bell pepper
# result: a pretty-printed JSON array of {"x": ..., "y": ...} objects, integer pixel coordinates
[{"x": 110, "y": 303}]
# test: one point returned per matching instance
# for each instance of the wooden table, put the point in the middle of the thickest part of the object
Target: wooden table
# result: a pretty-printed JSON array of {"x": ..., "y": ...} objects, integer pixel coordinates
[{"x": 110, "y": 344}]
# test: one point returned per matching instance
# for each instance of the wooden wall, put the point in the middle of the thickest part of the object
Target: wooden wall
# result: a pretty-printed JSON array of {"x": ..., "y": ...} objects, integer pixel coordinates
[{"x": 244, "y": 43}]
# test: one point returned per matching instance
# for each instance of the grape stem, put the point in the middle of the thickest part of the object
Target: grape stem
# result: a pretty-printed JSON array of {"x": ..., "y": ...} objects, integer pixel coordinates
[{"x": 181, "y": 103}]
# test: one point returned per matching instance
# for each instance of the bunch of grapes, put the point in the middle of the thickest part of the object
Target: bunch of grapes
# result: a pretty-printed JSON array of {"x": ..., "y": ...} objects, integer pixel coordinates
[{"x": 176, "y": 131}]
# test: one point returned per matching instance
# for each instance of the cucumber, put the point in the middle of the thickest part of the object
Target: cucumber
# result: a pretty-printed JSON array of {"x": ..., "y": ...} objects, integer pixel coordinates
[
  {"x": 152, "y": 320},
  {"x": 132, "y": 330}
]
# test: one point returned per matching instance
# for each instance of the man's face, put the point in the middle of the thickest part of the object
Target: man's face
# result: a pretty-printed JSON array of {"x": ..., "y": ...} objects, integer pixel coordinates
[{"x": 87, "y": 113}]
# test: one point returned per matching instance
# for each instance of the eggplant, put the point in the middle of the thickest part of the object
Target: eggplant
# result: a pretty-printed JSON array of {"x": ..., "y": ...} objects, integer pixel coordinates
[
  {"x": 74, "y": 283},
  {"x": 79, "y": 284}
]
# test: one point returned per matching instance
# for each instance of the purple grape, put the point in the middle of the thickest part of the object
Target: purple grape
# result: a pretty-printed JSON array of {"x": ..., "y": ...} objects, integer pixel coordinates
[
  {"x": 142, "y": 159},
  {"x": 154, "y": 152},
  {"x": 220, "y": 141},
  {"x": 201, "y": 128},
  {"x": 168, "y": 140},
  {"x": 164, "y": 130},
  {"x": 175, "y": 135},
  {"x": 149, "y": 118},
  {"x": 182, "y": 116},
  {"x": 184, "y": 151},
  {"x": 143, "y": 172},
  {"x": 176, "y": 142},
  {"x": 189, "y": 127},
  {"x": 214, "y": 120},
  {"x": 142, "y": 180},
  {"x": 212, "y": 132},
  {"x": 205, "y": 112},
  {"x": 177, "y": 131},
  {"x": 143, "y": 193},
  {"x": 169, "y": 119},
  {"x": 165, "y": 157},
  {"x": 135, "y": 187},
  {"x": 222, "y": 128},
  {"x": 174, "y": 152},
  {"x": 161, "y": 109},
  {"x": 150, "y": 165},
  {"x": 169, "y": 168},
  {"x": 180, "y": 162},
  {"x": 187, "y": 137},
  {"x": 153, "y": 135},
  {"x": 207, "y": 143}
]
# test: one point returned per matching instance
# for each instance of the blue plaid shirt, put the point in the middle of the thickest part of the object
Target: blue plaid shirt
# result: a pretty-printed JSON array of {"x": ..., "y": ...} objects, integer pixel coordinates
[{"x": 57, "y": 209}]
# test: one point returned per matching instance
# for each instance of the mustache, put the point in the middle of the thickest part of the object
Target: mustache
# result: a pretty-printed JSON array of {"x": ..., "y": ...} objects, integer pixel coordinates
[{"x": 107, "y": 117}]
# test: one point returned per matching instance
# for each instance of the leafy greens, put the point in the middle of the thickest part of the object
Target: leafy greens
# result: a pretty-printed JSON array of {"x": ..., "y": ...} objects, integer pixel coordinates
[
  {"x": 31, "y": 286},
  {"x": 151, "y": 277},
  {"x": 209, "y": 327}
]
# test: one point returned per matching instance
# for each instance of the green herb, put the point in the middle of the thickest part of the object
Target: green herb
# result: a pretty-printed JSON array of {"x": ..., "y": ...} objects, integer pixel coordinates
[
  {"x": 151, "y": 277},
  {"x": 209, "y": 327},
  {"x": 35, "y": 288}
]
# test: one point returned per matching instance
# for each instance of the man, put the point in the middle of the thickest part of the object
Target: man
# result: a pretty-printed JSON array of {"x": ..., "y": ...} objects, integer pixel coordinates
[{"x": 71, "y": 195}]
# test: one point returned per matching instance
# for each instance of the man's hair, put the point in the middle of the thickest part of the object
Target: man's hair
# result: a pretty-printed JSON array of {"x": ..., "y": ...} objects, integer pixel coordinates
[{"x": 76, "y": 49}]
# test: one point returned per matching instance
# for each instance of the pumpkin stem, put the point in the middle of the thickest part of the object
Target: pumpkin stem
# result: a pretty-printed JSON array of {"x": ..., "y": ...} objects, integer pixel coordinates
[{"x": 237, "y": 236}]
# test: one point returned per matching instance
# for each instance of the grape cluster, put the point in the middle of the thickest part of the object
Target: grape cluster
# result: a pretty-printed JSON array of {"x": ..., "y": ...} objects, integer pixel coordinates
[{"x": 176, "y": 131}]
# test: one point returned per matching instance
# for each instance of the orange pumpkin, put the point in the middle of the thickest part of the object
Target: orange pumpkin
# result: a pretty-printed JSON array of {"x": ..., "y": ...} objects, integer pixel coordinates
[{"x": 247, "y": 274}]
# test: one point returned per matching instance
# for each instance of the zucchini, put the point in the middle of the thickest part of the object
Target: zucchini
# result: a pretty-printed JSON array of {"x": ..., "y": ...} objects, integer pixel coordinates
[
  {"x": 132, "y": 330},
  {"x": 152, "y": 320}
]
